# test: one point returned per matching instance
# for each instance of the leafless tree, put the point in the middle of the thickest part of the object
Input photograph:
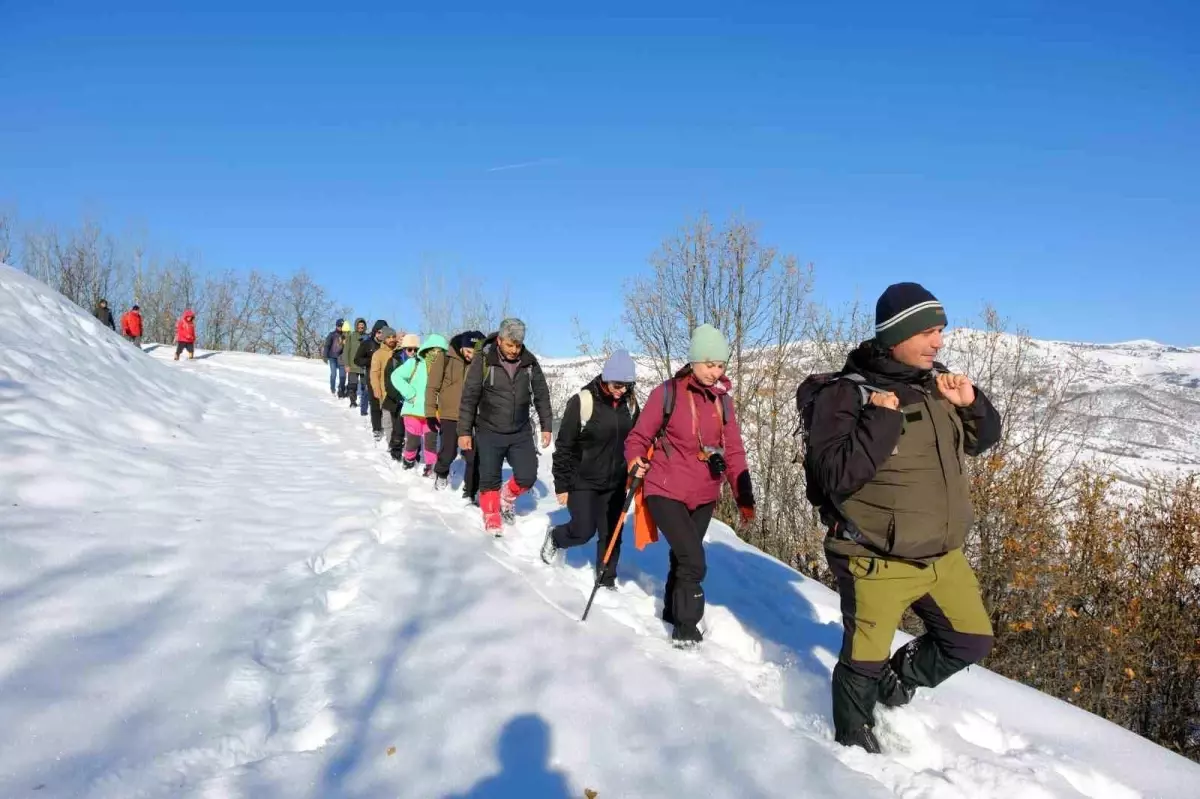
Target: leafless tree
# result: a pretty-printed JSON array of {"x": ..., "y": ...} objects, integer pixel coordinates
[
  {"x": 5, "y": 239},
  {"x": 453, "y": 302}
]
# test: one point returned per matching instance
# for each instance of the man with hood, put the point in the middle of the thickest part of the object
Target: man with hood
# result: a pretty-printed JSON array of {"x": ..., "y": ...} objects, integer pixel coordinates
[
  {"x": 885, "y": 466},
  {"x": 589, "y": 463},
  {"x": 104, "y": 314},
  {"x": 356, "y": 384},
  {"x": 331, "y": 351},
  {"x": 362, "y": 358},
  {"x": 501, "y": 385},
  {"x": 443, "y": 394},
  {"x": 185, "y": 334},
  {"x": 131, "y": 325}
]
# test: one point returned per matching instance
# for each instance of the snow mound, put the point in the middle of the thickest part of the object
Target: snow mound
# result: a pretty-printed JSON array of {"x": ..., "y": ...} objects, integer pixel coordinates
[
  {"x": 214, "y": 585},
  {"x": 79, "y": 401}
]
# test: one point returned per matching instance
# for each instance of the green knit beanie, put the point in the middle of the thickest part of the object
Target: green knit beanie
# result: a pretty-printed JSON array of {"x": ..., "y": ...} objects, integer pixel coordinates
[{"x": 708, "y": 345}]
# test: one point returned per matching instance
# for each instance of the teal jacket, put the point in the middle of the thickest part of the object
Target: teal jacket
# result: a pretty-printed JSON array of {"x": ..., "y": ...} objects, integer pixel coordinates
[{"x": 410, "y": 378}]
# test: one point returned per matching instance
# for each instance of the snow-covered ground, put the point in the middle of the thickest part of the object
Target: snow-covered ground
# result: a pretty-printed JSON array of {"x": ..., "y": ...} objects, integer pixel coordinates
[{"x": 214, "y": 585}]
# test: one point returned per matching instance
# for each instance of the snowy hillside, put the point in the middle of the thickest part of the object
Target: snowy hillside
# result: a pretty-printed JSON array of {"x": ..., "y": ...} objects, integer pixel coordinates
[{"x": 213, "y": 585}]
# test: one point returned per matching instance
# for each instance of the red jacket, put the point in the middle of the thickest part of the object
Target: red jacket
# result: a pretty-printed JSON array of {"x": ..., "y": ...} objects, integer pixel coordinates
[
  {"x": 131, "y": 323},
  {"x": 676, "y": 472},
  {"x": 185, "y": 328}
]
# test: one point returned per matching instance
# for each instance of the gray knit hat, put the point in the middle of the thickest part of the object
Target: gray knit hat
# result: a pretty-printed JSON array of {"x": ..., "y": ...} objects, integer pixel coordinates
[
  {"x": 387, "y": 332},
  {"x": 619, "y": 368},
  {"x": 512, "y": 329}
]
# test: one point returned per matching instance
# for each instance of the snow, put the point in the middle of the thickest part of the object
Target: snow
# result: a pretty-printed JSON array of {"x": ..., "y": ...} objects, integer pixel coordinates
[{"x": 214, "y": 585}]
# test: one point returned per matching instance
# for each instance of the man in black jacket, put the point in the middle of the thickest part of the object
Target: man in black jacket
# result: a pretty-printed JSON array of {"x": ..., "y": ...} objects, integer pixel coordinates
[
  {"x": 501, "y": 385},
  {"x": 885, "y": 465},
  {"x": 362, "y": 359},
  {"x": 589, "y": 463}
]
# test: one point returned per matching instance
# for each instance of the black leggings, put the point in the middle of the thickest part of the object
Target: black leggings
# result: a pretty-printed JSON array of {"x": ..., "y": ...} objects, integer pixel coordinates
[
  {"x": 684, "y": 529},
  {"x": 592, "y": 512}
]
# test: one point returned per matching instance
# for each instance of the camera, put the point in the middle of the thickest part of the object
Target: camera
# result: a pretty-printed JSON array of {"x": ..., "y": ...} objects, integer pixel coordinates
[{"x": 715, "y": 458}]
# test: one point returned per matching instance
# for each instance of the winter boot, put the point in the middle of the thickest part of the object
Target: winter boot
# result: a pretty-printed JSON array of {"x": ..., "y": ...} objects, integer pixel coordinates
[
  {"x": 440, "y": 483},
  {"x": 863, "y": 737},
  {"x": 177, "y": 356},
  {"x": 895, "y": 690},
  {"x": 549, "y": 548},
  {"x": 427, "y": 471},
  {"x": 489, "y": 504},
  {"x": 508, "y": 500},
  {"x": 378, "y": 435},
  {"x": 686, "y": 636},
  {"x": 607, "y": 579},
  {"x": 409, "y": 465}
]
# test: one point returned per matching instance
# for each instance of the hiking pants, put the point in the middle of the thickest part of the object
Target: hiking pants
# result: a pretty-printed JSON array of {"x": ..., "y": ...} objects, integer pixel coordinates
[
  {"x": 396, "y": 439},
  {"x": 684, "y": 529},
  {"x": 449, "y": 451},
  {"x": 875, "y": 592},
  {"x": 337, "y": 376},
  {"x": 419, "y": 436},
  {"x": 135, "y": 340},
  {"x": 491, "y": 449},
  {"x": 592, "y": 512},
  {"x": 376, "y": 408}
]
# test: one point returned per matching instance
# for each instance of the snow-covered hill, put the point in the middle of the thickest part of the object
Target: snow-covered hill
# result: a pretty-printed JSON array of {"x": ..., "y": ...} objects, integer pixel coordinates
[{"x": 213, "y": 585}]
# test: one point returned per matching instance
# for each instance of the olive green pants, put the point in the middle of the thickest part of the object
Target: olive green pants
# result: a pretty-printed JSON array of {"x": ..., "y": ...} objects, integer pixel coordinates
[{"x": 874, "y": 595}]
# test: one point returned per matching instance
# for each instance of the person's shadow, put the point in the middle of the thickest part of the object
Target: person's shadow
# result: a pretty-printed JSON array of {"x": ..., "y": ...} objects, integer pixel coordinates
[{"x": 524, "y": 753}]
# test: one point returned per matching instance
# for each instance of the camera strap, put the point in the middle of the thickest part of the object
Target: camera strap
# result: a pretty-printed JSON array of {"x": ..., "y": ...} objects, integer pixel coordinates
[{"x": 719, "y": 405}]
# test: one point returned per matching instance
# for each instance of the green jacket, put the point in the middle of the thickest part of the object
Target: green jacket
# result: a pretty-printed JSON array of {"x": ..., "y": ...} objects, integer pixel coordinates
[
  {"x": 895, "y": 482},
  {"x": 351, "y": 346},
  {"x": 412, "y": 377}
]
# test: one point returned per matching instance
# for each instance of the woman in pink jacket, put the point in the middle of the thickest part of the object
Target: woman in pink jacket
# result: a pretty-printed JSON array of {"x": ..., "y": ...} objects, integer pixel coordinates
[{"x": 699, "y": 447}]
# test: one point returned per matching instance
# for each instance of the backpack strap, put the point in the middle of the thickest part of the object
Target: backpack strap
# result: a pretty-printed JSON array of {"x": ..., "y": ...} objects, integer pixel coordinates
[{"x": 669, "y": 390}]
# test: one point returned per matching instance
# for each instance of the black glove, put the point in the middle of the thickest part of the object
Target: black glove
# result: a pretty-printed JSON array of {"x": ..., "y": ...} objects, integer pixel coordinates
[{"x": 434, "y": 423}]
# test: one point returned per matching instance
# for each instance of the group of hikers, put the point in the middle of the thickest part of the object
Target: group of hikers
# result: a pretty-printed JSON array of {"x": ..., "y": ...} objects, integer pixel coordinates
[
  {"x": 131, "y": 327},
  {"x": 884, "y": 437}
]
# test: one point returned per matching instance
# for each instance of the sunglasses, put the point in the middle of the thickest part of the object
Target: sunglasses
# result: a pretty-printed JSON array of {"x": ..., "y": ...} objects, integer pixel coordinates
[{"x": 410, "y": 349}]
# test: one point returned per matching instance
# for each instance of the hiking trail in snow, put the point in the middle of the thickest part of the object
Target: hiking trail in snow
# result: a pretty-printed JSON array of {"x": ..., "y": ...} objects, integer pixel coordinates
[{"x": 216, "y": 585}]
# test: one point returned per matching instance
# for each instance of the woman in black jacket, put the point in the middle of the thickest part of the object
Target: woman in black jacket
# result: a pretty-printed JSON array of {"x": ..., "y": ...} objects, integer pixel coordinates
[{"x": 589, "y": 463}]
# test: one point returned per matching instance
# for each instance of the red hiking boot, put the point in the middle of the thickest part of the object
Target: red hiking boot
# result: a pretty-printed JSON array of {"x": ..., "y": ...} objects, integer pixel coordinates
[{"x": 489, "y": 503}]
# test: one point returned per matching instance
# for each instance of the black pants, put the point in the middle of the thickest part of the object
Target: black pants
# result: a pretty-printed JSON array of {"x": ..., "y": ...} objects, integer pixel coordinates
[
  {"x": 396, "y": 440},
  {"x": 376, "y": 413},
  {"x": 492, "y": 448},
  {"x": 449, "y": 451},
  {"x": 593, "y": 511},
  {"x": 185, "y": 345},
  {"x": 683, "y": 599}
]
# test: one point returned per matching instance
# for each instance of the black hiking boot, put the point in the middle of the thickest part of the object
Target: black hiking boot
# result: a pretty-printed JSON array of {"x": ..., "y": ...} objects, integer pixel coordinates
[
  {"x": 686, "y": 636},
  {"x": 441, "y": 483},
  {"x": 378, "y": 435},
  {"x": 607, "y": 580},
  {"x": 549, "y": 548},
  {"x": 862, "y": 737},
  {"x": 427, "y": 471},
  {"x": 407, "y": 464},
  {"x": 894, "y": 690}
]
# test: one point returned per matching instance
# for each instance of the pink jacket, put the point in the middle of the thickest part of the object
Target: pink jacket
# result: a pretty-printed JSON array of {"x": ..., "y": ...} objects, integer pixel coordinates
[{"x": 676, "y": 472}]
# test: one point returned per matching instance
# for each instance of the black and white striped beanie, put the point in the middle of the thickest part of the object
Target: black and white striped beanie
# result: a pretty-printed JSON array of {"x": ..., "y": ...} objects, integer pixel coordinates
[{"x": 903, "y": 310}]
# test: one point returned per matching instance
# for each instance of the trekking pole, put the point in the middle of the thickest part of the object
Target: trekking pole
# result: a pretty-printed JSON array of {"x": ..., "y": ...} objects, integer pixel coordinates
[{"x": 612, "y": 542}]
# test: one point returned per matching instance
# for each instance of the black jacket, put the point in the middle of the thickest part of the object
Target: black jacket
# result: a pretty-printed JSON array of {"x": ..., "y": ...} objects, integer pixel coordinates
[
  {"x": 393, "y": 401},
  {"x": 592, "y": 458},
  {"x": 368, "y": 346},
  {"x": 493, "y": 402}
]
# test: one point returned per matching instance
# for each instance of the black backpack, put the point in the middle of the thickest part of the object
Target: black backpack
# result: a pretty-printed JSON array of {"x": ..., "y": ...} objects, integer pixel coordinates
[{"x": 806, "y": 395}]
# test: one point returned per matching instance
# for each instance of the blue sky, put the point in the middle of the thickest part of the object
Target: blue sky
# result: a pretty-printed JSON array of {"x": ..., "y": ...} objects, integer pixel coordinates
[{"x": 1044, "y": 156}]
